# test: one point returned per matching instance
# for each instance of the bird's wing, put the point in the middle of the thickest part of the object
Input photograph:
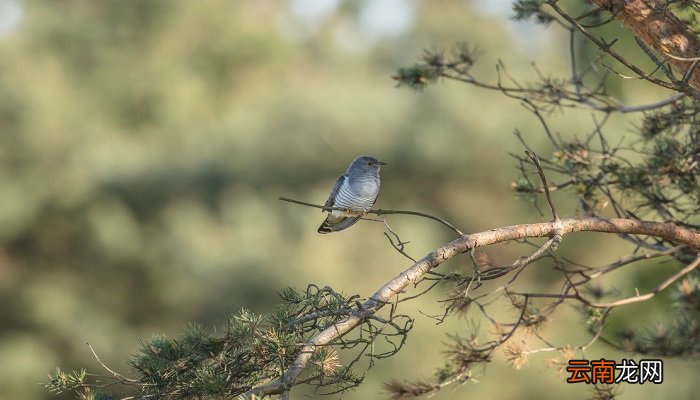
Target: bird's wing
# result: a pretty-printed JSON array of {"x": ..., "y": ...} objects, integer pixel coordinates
[{"x": 334, "y": 192}]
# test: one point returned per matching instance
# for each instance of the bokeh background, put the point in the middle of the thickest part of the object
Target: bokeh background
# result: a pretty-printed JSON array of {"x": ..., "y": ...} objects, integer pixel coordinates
[{"x": 144, "y": 144}]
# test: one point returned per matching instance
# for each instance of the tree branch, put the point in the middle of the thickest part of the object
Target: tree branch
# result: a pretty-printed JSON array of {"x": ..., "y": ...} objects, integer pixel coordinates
[
  {"x": 380, "y": 212},
  {"x": 452, "y": 249},
  {"x": 657, "y": 26},
  {"x": 642, "y": 297}
]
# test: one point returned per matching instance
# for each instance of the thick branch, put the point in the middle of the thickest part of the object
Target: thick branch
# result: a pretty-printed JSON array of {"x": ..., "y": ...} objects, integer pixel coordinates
[
  {"x": 657, "y": 26},
  {"x": 458, "y": 246}
]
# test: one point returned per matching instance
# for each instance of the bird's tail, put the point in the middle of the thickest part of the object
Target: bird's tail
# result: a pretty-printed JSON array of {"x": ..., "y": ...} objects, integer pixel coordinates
[
  {"x": 326, "y": 227},
  {"x": 329, "y": 225}
]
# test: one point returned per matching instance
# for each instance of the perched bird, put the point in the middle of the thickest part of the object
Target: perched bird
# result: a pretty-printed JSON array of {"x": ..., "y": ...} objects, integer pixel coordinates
[{"x": 355, "y": 191}]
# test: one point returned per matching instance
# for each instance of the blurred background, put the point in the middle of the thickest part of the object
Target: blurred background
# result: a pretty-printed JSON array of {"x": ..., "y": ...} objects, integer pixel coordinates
[{"x": 144, "y": 144}]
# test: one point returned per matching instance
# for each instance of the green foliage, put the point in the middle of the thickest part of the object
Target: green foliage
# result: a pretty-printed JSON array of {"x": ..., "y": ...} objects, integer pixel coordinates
[
  {"x": 531, "y": 9},
  {"x": 77, "y": 382},
  {"x": 687, "y": 294},
  {"x": 680, "y": 338},
  {"x": 252, "y": 350},
  {"x": 661, "y": 182},
  {"x": 461, "y": 354},
  {"x": 417, "y": 76},
  {"x": 435, "y": 64},
  {"x": 687, "y": 10},
  {"x": 60, "y": 380},
  {"x": 655, "y": 178}
]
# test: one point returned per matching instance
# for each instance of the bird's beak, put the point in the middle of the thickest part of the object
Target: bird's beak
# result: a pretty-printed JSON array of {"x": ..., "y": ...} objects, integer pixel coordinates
[{"x": 381, "y": 163}]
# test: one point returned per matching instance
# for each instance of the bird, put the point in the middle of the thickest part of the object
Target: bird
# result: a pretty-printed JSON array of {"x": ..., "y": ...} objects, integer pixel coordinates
[{"x": 355, "y": 192}]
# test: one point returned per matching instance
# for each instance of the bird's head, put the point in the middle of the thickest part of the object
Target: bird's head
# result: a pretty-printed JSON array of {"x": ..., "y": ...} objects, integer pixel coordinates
[{"x": 366, "y": 163}]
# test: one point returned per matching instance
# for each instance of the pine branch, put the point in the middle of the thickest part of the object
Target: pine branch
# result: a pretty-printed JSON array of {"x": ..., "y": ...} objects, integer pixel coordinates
[{"x": 458, "y": 246}]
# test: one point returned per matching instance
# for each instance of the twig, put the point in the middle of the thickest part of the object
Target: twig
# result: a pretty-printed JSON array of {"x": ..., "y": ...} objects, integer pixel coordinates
[
  {"x": 565, "y": 98},
  {"x": 635, "y": 299},
  {"x": 379, "y": 212},
  {"x": 575, "y": 79},
  {"x": 399, "y": 245},
  {"x": 660, "y": 64},
  {"x": 626, "y": 261},
  {"x": 651, "y": 106},
  {"x": 117, "y": 375},
  {"x": 690, "y": 70},
  {"x": 607, "y": 48},
  {"x": 497, "y": 272},
  {"x": 536, "y": 161}
]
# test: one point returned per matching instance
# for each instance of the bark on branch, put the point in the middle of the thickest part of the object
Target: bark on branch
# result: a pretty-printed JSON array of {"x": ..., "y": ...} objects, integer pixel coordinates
[
  {"x": 458, "y": 246},
  {"x": 657, "y": 26}
]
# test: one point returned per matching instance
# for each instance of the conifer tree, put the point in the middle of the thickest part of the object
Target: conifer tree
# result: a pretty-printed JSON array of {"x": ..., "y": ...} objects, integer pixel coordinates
[{"x": 643, "y": 191}]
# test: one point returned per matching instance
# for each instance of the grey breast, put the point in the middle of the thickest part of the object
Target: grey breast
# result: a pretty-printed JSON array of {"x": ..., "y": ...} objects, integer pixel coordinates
[{"x": 359, "y": 192}]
